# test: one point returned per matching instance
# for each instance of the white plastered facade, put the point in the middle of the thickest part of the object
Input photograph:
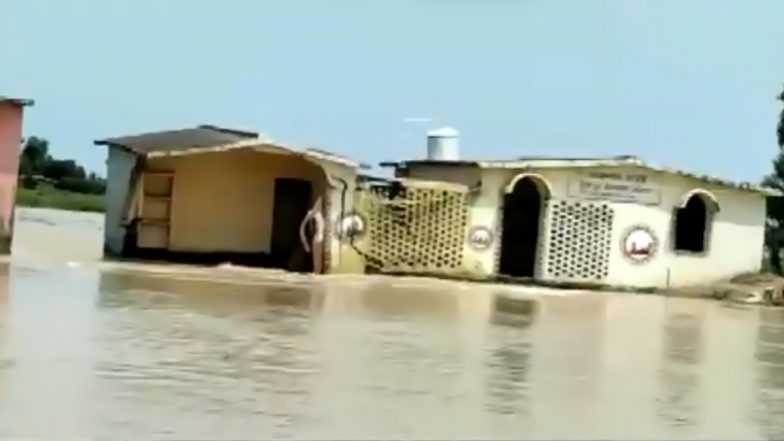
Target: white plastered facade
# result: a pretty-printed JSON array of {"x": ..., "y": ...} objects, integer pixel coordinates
[{"x": 735, "y": 231}]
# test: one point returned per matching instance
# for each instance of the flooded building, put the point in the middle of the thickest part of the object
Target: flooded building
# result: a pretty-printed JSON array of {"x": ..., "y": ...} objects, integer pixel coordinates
[
  {"x": 11, "y": 116},
  {"x": 614, "y": 221},
  {"x": 210, "y": 194}
]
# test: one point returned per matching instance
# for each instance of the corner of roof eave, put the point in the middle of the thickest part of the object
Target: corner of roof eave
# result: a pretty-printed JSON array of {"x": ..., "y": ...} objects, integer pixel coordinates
[
  {"x": 333, "y": 159},
  {"x": 21, "y": 102},
  {"x": 269, "y": 146},
  {"x": 337, "y": 161}
]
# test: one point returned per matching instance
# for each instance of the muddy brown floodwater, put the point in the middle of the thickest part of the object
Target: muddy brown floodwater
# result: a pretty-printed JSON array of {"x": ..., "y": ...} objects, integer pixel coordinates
[{"x": 106, "y": 350}]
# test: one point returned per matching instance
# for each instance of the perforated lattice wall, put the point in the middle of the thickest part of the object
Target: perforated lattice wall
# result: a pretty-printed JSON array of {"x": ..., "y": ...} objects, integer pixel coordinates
[
  {"x": 579, "y": 240},
  {"x": 416, "y": 229}
]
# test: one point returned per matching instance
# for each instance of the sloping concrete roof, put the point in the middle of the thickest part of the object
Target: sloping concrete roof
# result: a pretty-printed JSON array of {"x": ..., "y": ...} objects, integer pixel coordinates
[
  {"x": 210, "y": 138},
  {"x": 172, "y": 140},
  {"x": 18, "y": 101},
  {"x": 617, "y": 161}
]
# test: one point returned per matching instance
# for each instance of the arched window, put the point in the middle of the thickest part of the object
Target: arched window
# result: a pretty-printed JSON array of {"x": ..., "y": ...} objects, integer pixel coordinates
[{"x": 693, "y": 220}]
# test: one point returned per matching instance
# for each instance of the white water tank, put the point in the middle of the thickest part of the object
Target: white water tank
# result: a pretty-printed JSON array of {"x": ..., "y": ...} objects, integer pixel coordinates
[{"x": 443, "y": 145}]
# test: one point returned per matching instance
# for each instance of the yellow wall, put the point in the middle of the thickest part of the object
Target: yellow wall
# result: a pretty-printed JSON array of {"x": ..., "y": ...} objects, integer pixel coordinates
[{"x": 223, "y": 202}]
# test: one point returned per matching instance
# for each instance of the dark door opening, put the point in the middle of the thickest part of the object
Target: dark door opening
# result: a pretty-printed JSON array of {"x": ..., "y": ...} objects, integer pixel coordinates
[
  {"x": 691, "y": 223},
  {"x": 520, "y": 234},
  {"x": 291, "y": 204}
]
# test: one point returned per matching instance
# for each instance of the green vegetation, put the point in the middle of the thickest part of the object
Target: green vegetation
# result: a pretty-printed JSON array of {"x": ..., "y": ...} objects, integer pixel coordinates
[
  {"x": 774, "y": 233},
  {"x": 46, "y": 196},
  {"x": 47, "y": 182}
]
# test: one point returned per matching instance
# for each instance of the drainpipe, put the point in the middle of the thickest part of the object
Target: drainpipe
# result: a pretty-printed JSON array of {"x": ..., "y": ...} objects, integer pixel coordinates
[{"x": 331, "y": 183}]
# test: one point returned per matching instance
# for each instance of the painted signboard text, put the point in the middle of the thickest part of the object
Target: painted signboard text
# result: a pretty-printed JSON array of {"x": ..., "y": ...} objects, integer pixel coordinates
[{"x": 616, "y": 187}]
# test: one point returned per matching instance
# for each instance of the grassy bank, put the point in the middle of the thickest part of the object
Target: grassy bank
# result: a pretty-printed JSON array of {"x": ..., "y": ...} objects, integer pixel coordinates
[{"x": 49, "y": 197}]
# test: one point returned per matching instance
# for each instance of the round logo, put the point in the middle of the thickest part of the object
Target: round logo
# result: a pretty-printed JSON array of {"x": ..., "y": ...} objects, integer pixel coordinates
[
  {"x": 480, "y": 238},
  {"x": 351, "y": 227},
  {"x": 639, "y": 244}
]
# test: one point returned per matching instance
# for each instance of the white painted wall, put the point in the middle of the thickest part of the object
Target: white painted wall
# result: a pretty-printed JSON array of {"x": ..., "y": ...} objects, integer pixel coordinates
[
  {"x": 119, "y": 166},
  {"x": 484, "y": 212},
  {"x": 735, "y": 244}
]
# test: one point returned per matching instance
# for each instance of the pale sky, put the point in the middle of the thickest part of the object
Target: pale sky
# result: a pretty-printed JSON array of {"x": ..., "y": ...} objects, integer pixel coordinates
[{"x": 690, "y": 84}]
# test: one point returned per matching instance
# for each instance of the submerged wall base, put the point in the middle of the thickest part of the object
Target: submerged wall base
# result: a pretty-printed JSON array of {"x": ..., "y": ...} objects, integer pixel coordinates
[
  {"x": 525, "y": 281},
  {"x": 298, "y": 263},
  {"x": 6, "y": 240},
  {"x": 261, "y": 260},
  {"x": 736, "y": 289}
]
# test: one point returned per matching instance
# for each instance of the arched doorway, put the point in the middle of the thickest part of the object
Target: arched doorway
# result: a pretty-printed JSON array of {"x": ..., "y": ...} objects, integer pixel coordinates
[
  {"x": 692, "y": 221},
  {"x": 522, "y": 213}
]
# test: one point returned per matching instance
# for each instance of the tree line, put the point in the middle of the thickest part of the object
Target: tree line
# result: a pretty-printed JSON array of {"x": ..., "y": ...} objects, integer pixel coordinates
[
  {"x": 37, "y": 166},
  {"x": 774, "y": 231}
]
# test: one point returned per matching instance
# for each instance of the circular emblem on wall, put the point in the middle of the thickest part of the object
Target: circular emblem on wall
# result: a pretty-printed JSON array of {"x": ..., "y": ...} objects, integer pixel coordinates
[
  {"x": 480, "y": 238},
  {"x": 351, "y": 227},
  {"x": 639, "y": 244}
]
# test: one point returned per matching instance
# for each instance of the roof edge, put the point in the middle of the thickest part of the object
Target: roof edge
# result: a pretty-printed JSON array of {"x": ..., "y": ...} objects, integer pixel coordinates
[
  {"x": 437, "y": 162},
  {"x": 256, "y": 144},
  {"x": 582, "y": 163},
  {"x": 231, "y": 131},
  {"x": 105, "y": 142},
  {"x": 224, "y": 130},
  {"x": 22, "y": 102}
]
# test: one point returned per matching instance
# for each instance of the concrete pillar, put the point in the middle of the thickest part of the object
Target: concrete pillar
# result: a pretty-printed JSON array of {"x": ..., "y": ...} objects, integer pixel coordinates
[{"x": 11, "y": 112}]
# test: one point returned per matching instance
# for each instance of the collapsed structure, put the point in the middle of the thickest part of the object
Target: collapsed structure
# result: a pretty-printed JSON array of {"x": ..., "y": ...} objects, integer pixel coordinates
[{"x": 616, "y": 221}]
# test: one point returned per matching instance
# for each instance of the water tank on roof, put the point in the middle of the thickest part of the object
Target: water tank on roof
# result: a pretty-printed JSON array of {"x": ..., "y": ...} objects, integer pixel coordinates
[{"x": 443, "y": 145}]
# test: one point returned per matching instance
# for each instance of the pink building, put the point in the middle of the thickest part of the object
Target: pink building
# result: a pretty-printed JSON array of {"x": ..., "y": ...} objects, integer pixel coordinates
[{"x": 11, "y": 112}]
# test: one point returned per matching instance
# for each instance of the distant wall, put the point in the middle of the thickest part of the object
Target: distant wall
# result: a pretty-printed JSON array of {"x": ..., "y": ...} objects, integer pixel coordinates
[
  {"x": 464, "y": 175},
  {"x": 10, "y": 149}
]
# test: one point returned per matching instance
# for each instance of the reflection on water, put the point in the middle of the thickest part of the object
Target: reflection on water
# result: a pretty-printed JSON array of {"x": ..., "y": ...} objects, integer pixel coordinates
[
  {"x": 519, "y": 313},
  {"x": 4, "y": 305},
  {"x": 135, "y": 290},
  {"x": 227, "y": 351},
  {"x": 508, "y": 361},
  {"x": 120, "y": 351},
  {"x": 681, "y": 352},
  {"x": 770, "y": 372}
]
